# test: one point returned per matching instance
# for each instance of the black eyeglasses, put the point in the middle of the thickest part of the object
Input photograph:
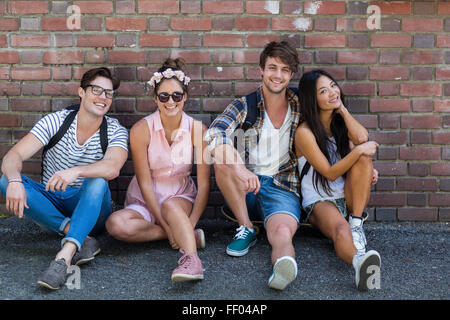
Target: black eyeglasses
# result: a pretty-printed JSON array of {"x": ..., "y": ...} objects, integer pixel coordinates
[
  {"x": 97, "y": 90},
  {"x": 176, "y": 96}
]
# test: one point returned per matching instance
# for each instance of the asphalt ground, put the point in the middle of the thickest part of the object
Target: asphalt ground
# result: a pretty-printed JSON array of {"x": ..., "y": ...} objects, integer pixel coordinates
[{"x": 415, "y": 266}]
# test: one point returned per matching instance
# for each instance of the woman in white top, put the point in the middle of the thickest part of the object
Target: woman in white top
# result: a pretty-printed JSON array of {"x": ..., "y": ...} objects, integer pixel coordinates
[{"x": 337, "y": 148}]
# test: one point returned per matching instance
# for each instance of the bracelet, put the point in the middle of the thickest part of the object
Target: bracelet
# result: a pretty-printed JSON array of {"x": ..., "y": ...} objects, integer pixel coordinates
[{"x": 15, "y": 180}]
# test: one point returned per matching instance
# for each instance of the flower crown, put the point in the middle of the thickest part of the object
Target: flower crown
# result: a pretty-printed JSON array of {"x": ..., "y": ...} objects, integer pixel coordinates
[{"x": 169, "y": 73}]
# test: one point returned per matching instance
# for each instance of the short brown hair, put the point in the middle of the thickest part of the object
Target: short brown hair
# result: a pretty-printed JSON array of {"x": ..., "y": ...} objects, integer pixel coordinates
[
  {"x": 90, "y": 76},
  {"x": 282, "y": 50}
]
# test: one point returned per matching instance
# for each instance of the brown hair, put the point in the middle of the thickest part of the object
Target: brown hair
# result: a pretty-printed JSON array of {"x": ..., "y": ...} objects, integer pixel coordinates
[
  {"x": 90, "y": 76},
  {"x": 282, "y": 50},
  {"x": 174, "y": 64}
]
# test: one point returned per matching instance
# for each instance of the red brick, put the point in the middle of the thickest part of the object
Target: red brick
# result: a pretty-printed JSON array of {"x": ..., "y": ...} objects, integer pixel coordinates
[
  {"x": 421, "y": 89},
  {"x": 165, "y": 7},
  {"x": 126, "y": 24},
  {"x": 190, "y": 6},
  {"x": 9, "y": 24},
  {"x": 422, "y": 57},
  {"x": 388, "y": 73},
  {"x": 420, "y": 153},
  {"x": 440, "y": 199},
  {"x": 262, "y": 7},
  {"x": 387, "y": 199},
  {"x": 125, "y": 7},
  {"x": 191, "y": 56},
  {"x": 60, "y": 89},
  {"x": 28, "y": 7},
  {"x": 417, "y": 214},
  {"x": 63, "y": 57},
  {"x": 442, "y": 73},
  {"x": 389, "y": 137},
  {"x": 389, "y": 40},
  {"x": 324, "y": 7},
  {"x": 101, "y": 7},
  {"x": 290, "y": 24},
  {"x": 443, "y": 41},
  {"x": 9, "y": 57},
  {"x": 32, "y": 105},
  {"x": 23, "y": 73},
  {"x": 390, "y": 105},
  {"x": 3, "y": 41},
  {"x": 440, "y": 169},
  {"x": 260, "y": 40},
  {"x": 9, "y": 89},
  {"x": 223, "y": 40},
  {"x": 223, "y": 73},
  {"x": 54, "y": 24},
  {"x": 30, "y": 40},
  {"x": 246, "y": 56},
  {"x": 94, "y": 40},
  {"x": 291, "y": 7},
  {"x": 159, "y": 40},
  {"x": 420, "y": 122},
  {"x": 251, "y": 24},
  {"x": 441, "y": 137},
  {"x": 10, "y": 120},
  {"x": 324, "y": 41},
  {"x": 444, "y": 8},
  {"x": 188, "y": 24},
  {"x": 222, "y": 7},
  {"x": 393, "y": 7},
  {"x": 357, "y": 57},
  {"x": 421, "y": 24},
  {"x": 358, "y": 89},
  {"x": 62, "y": 73},
  {"x": 417, "y": 184},
  {"x": 442, "y": 106},
  {"x": 126, "y": 57}
]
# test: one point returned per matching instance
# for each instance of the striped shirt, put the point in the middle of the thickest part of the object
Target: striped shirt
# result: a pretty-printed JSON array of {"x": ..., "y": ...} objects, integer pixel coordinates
[
  {"x": 67, "y": 153},
  {"x": 223, "y": 128}
]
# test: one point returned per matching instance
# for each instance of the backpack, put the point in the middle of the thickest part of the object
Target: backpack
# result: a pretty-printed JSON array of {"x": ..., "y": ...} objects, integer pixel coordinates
[{"x": 63, "y": 129}]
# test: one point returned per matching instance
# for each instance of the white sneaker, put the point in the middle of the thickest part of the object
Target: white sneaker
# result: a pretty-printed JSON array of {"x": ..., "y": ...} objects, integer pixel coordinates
[
  {"x": 284, "y": 272},
  {"x": 365, "y": 266},
  {"x": 359, "y": 238}
]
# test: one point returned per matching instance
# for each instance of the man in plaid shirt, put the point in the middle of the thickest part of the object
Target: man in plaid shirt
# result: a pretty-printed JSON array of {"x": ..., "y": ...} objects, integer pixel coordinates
[{"x": 259, "y": 177}]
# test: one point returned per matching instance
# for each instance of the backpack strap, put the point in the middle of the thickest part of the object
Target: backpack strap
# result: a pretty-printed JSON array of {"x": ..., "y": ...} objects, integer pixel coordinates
[
  {"x": 252, "y": 110},
  {"x": 305, "y": 170},
  {"x": 104, "y": 135}
]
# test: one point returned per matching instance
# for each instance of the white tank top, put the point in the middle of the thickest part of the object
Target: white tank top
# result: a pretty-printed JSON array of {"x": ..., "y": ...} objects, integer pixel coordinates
[{"x": 309, "y": 193}]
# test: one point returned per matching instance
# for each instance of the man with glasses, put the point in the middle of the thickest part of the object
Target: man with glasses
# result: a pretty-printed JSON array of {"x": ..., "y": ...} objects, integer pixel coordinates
[{"x": 73, "y": 198}]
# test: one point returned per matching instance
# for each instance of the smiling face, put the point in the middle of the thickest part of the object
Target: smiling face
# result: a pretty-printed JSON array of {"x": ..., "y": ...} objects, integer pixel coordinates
[
  {"x": 170, "y": 108},
  {"x": 93, "y": 104},
  {"x": 328, "y": 94},
  {"x": 276, "y": 75}
]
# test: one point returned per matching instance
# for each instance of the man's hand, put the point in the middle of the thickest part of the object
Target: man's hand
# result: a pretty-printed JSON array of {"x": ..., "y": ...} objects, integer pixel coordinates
[
  {"x": 248, "y": 179},
  {"x": 16, "y": 198},
  {"x": 375, "y": 176},
  {"x": 61, "y": 179}
]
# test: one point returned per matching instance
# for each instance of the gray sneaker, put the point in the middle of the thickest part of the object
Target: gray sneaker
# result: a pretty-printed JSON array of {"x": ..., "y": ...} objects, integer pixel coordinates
[
  {"x": 55, "y": 276},
  {"x": 89, "y": 250}
]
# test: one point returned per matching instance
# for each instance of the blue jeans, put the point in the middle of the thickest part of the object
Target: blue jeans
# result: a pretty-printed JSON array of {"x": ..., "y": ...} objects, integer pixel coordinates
[{"x": 86, "y": 208}]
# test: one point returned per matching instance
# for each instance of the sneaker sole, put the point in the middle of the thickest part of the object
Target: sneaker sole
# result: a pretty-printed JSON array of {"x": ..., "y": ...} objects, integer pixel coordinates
[
  {"x": 186, "y": 277},
  {"x": 241, "y": 253},
  {"x": 46, "y": 285},
  {"x": 372, "y": 260},
  {"x": 283, "y": 274},
  {"x": 86, "y": 260},
  {"x": 202, "y": 243}
]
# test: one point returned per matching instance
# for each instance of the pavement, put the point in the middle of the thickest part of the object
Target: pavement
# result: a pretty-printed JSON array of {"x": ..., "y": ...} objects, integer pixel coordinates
[{"x": 415, "y": 266}]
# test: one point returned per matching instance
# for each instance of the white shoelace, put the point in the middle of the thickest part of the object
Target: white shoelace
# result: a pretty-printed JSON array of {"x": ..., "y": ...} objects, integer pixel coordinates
[
  {"x": 242, "y": 233},
  {"x": 358, "y": 235}
]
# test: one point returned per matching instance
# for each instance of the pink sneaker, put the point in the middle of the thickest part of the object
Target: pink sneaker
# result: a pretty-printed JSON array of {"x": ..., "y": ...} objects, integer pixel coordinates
[
  {"x": 200, "y": 238},
  {"x": 189, "y": 268}
]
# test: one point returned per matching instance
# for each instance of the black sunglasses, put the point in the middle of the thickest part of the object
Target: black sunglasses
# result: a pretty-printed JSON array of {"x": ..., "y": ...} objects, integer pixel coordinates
[
  {"x": 176, "y": 96},
  {"x": 97, "y": 90}
]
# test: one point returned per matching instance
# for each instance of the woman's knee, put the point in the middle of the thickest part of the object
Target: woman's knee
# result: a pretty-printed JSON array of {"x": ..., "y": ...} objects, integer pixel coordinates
[
  {"x": 341, "y": 231},
  {"x": 116, "y": 227}
]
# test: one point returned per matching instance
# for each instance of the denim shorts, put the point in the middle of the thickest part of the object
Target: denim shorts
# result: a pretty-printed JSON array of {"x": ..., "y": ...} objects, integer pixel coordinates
[
  {"x": 272, "y": 199},
  {"x": 339, "y": 203}
]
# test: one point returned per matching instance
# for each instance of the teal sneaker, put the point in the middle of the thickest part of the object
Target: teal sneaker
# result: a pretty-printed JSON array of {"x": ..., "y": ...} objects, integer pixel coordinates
[{"x": 243, "y": 240}]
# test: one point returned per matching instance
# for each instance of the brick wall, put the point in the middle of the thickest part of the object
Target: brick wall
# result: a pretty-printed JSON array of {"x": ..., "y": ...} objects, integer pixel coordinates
[{"x": 397, "y": 78}]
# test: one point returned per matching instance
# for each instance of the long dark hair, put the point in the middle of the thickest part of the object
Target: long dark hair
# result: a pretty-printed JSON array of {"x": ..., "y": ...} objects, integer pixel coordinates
[{"x": 309, "y": 109}]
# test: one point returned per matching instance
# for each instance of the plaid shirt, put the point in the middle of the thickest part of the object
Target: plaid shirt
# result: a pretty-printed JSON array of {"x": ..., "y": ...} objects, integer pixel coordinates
[{"x": 224, "y": 126}]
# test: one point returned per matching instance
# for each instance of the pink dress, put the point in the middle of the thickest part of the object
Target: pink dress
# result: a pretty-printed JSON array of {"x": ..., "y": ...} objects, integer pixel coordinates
[{"x": 170, "y": 166}]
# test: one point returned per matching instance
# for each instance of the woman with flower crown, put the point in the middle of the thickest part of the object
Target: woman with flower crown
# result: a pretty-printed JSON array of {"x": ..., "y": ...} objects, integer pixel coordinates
[{"x": 162, "y": 201}]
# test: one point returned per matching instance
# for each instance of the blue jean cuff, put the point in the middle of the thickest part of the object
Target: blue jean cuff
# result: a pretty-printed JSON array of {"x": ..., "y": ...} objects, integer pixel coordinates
[
  {"x": 77, "y": 243},
  {"x": 63, "y": 226}
]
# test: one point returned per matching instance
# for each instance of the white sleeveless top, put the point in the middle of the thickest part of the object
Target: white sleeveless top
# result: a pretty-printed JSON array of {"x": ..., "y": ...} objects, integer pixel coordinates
[{"x": 309, "y": 193}]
